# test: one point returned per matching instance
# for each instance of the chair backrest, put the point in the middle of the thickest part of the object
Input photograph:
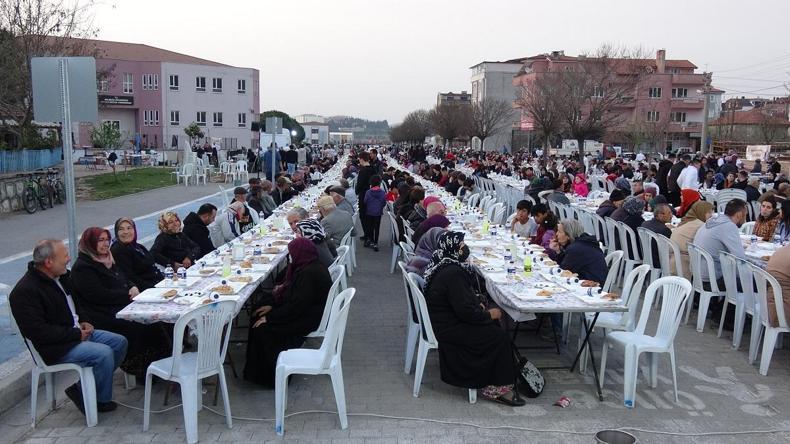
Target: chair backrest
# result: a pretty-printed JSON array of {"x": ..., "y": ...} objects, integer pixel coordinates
[
  {"x": 748, "y": 228},
  {"x": 408, "y": 251},
  {"x": 188, "y": 169},
  {"x": 422, "y": 310},
  {"x": 632, "y": 289},
  {"x": 612, "y": 235},
  {"x": 38, "y": 361},
  {"x": 332, "y": 345},
  {"x": 700, "y": 260},
  {"x": 412, "y": 306},
  {"x": 394, "y": 236},
  {"x": 346, "y": 240},
  {"x": 762, "y": 280},
  {"x": 473, "y": 200},
  {"x": 342, "y": 255},
  {"x": 499, "y": 215},
  {"x": 755, "y": 210},
  {"x": 726, "y": 195},
  {"x": 493, "y": 210},
  {"x": 601, "y": 231},
  {"x": 336, "y": 272},
  {"x": 241, "y": 166},
  {"x": 675, "y": 293},
  {"x": 629, "y": 242},
  {"x": 211, "y": 325},
  {"x": 613, "y": 262}
]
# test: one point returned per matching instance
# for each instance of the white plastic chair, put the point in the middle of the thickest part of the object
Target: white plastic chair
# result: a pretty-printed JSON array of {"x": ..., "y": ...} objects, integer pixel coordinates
[
  {"x": 614, "y": 261},
  {"x": 675, "y": 294},
  {"x": 499, "y": 215},
  {"x": 187, "y": 171},
  {"x": 87, "y": 383},
  {"x": 770, "y": 334},
  {"x": 200, "y": 171},
  {"x": 394, "y": 241},
  {"x": 412, "y": 321},
  {"x": 211, "y": 324},
  {"x": 744, "y": 301},
  {"x": 612, "y": 235},
  {"x": 629, "y": 243},
  {"x": 427, "y": 340},
  {"x": 337, "y": 273},
  {"x": 241, "y": 170},
  {"x": 699, "y": 260},
  {"x": 407, "y": 251},
  {"x": 748, "y": 228},
  {"x": 473, "y": 200},
  {"x": 348, "y": 241},
  {"x": 726, "y": 195},
  {"x": 323, "y": 361},
  {"x": 344, "y": 261},
  {"x": 228, "y": 170}
]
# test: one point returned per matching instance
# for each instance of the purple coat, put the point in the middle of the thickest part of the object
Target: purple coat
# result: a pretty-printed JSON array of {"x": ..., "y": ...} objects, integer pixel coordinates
[{"x": 375, "y": 200}]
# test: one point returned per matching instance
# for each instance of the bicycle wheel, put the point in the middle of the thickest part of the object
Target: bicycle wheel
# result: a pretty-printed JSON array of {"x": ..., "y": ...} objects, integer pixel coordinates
[
  {"x": 47, "y": 196},
  {"x": 60, "y": 192},
  {"x": 30, "y": 200}
]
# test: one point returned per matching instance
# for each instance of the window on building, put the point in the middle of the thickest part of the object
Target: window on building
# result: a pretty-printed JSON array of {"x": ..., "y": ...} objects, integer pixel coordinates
[
  {"x": 313, "y": 130},
  {"x": 115, "y": 123},
  {"x": 675, "y": 71},
  {"x": 654, "y": 92},
  {"x": 217, "y": 119},
  {"x": 175, "y": 118},
  {"x": 597, "y": 91},
  {"x": 242, "y": 86},
  {"x": 147, "y": 82},
  {"x": 677, "y": 116},
  {"x": 680, "y": 93},
  {"x": 173, "y": 82},
  {"x": 216, "y": 84},
  {"x": 155, "y": 115},
  {"x": 200, "y": 83},
  {"x": 242, "y": 120},
  {"x": 128, "y": 83},
  {"x": 200, "y": 118},
  {"x": 146, "y": 118},
  {"x": 102, "y": 85},
  {"x": 653, "y": 116},
  {"x": 155, "y": 82}
]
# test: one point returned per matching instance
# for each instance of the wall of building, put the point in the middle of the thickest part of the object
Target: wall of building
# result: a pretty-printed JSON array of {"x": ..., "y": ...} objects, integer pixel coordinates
[
  {"x": 320, "y": 137},
  {"x": 188, "y": 101}
]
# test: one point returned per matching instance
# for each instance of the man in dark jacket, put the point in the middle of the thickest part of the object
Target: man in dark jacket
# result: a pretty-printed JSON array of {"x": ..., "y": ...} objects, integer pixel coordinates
[
  {"x": 579, "y": 252},
  {"x": 48, "y": 317},
  {"x": 673, "y": 188},
  {"x": 361, "y": 187},
  {"x": 662, "y": 215},
  {"x": 661, "y": 175},
  {"x": 283, "y": 192},
  {"x": 196, "y": 227},
  {"x": 608, "y": 207}
]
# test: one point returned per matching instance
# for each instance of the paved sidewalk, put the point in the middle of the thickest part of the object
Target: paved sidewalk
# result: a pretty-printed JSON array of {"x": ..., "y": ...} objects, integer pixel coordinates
[{"x": 719, "y": 392}]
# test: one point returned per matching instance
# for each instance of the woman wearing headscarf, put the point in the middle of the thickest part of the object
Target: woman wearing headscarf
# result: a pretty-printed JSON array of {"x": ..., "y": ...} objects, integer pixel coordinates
[
  {"x": 172, "y": 247},
  {"x": 696, "y": 216},
  {"x": 630, "y": 213},
  {"x": 474, "y": 351},
  {"x": 296, "y": 310},
  {"x": 314, "y": 231},
  {"x": 687, "y": 199},
  {"x": 437, "y": 220},
  {"x": 579, "y": 252},
  {"x": 424, "y": 251},
  {"x": 767, "y": 221},
  {"x": 134, "y": 260},
  {"x": 102, "y": 290},
  {"x": 580, "y": 185}
]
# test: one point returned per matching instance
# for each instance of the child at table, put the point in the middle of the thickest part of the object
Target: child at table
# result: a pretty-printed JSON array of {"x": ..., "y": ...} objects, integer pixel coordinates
[{"x": 375, "y": 200}]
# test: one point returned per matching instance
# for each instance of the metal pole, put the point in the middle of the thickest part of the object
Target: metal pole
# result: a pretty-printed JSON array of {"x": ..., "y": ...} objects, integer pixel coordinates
[
  {"x": 706, "y": 96},
  {"x": 274, "y": 154},
  {"x": 68, "y": 164}
]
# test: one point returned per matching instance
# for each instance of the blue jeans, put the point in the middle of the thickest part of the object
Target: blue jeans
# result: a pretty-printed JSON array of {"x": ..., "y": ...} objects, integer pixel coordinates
[
  {"x": 104, "y": 351},
  {"x": 291, "y": 168}
]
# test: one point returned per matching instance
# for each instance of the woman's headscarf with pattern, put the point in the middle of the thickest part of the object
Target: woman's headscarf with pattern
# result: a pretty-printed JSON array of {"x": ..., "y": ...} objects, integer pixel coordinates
[
  {"x": 312, "y": 229},
  {"x": 448, "y": 249}
]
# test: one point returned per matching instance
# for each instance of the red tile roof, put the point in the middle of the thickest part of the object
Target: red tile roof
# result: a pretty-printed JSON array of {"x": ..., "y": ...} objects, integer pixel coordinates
[
  {"x": 141, "y": 53},
  {"x": 751, "y": 117}
]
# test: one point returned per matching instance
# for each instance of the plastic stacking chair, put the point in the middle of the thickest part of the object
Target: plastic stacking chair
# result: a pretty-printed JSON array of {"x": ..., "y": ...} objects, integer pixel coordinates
[
  {"x": 427, "y": 340},
  {"x": 407, "y": 250},
  {"x": 748, "y": 228},
  {"x": 241, "y": 170},
  {"x": 394, "y": 239},
  {"x": 675, "y": 294},
  {"x": 699, "y": 260},
  {"x": 614, "y": 261},
  {"x": 87, "y": 383},
  {"x": 337, "y": 273},
  {"x": 186, "y": 173},
  {"x": 211, "y": 323},
  {"x": 763, "y": 280},
  {"x": 344, "y": 261},
  {"x": 323, "y": 361},
  {"x": 348, "y": 240},
  {"x": 412, "y": 321}
]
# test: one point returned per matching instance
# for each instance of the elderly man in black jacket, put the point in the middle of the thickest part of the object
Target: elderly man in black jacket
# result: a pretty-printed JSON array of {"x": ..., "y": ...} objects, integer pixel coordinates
[{"x": 47, "y": 316}]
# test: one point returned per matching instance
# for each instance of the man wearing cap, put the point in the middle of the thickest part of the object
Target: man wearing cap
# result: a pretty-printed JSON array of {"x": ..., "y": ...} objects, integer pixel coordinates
[
  {"x": 614, "y": 202},
  {"x": 283, "y": 192},
  {"x": 337, "y": 194},
  {"x": 240, "y": 195},
  {"x": 335, "y": 221}
]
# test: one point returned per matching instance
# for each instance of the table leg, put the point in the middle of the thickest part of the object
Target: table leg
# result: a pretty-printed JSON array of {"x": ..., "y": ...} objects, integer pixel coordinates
[{"x": 588, "y": 328}]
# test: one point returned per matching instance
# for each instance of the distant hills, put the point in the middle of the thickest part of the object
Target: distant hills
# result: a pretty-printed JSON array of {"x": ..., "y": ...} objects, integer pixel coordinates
[{"x": 364, "y": 130}]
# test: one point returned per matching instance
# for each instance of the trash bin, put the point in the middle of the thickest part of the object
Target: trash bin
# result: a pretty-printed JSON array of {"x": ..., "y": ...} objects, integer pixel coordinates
[{"x": 614, "y": 437}]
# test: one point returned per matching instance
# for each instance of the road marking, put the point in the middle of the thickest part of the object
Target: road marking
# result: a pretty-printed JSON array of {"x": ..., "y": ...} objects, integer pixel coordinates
[{"x": 24, "y": 254}]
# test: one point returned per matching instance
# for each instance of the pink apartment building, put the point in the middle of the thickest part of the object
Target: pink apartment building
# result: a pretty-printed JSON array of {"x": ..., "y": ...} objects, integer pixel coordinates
[
  {"x": 672, "y": 97},
  {"x": 153, "y": 94}
]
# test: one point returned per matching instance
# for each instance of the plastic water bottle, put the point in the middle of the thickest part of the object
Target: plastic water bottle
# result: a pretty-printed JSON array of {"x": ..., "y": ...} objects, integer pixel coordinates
[
  {"x": 486, "y": 225},
  {"x": 511, "y": 268},
  {"x": 261, "y": 217},
  {"x": 226, "y": 266},
  {"x": 182, "y": 276},
  {"x": 169, "y": 273}
]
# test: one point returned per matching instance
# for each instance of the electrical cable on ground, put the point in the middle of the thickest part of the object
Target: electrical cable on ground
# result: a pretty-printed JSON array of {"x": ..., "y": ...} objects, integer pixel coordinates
[{"x": 485, "y": 427}]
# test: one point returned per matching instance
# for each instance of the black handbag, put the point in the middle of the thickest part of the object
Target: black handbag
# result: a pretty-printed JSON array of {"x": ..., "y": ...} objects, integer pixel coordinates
[{"x": 529, "y": 380}]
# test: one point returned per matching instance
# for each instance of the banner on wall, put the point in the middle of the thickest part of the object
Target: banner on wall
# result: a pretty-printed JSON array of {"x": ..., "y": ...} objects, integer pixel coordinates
[{"x": 754, "y": 152}]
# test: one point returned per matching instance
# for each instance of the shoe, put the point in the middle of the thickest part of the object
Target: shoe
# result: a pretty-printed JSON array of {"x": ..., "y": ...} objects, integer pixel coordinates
[
  {"x": 509, "y": 399},
  {"x": 74, "y": 393},
  {"x": 106, "y": 406},
  {"x": 375, "y": 247}
]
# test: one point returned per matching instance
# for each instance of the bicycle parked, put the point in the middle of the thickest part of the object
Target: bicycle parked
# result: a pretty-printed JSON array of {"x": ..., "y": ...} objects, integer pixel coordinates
[{"x": 42, "y": 190}]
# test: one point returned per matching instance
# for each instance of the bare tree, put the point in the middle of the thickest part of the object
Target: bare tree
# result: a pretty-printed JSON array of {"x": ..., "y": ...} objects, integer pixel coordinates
[
  {"x": 35, "y": 28},
  {"x": 416, "y": 126},
  {"x": 592, "y": 90},
  {"x": 770, "y": 127},
  {"x": 537, "y": 99},
  {"x": 488, "y": 117},
  {"x": 450, "y": 121}
]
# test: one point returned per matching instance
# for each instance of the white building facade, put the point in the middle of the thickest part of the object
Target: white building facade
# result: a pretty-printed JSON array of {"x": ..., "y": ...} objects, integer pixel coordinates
[
  {"x": 315, "y": 132},
  {"x": 494, "y": 80}
]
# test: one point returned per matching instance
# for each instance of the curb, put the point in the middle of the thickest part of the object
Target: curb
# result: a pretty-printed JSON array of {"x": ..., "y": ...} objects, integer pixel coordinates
[{"x": 15, "y": 380}]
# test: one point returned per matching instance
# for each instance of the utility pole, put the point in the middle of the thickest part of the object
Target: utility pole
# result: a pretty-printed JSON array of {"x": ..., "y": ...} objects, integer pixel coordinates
[{"x": 706, "y": 96}]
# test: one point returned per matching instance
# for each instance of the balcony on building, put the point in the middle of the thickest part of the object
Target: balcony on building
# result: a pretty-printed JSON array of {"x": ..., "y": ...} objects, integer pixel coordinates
[
  {"x": 688, "y": 79},
  {"x": 687, "y": 103}
]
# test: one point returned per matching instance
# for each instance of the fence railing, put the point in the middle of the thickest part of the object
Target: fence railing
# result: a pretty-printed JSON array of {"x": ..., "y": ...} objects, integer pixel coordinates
[{"x": 27, "y": 160}]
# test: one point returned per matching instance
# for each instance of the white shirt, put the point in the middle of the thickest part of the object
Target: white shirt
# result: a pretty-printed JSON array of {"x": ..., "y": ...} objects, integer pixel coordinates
[
  {"x": 689, "y": 178},
  {"x": 640, "y": 157},
  {"x": 70, "y": 303}
]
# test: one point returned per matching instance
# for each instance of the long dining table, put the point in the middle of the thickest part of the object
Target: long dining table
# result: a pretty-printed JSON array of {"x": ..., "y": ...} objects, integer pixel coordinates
[
  {"x": 232, "y": 271},
  {"x": 498, "y": 257}
]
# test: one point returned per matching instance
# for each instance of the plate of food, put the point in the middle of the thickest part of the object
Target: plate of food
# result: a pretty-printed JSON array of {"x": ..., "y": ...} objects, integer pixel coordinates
[
  {"x": 157, "y": 295},
  {"x": 602, "y": 298},
  {"x": 272, "y": 250},
  {"x": 280, "y": 242},
  {"x": 535, "y": 294},
  {"x": 226, "y": 287},
  {"x": 589, "y": 284}
]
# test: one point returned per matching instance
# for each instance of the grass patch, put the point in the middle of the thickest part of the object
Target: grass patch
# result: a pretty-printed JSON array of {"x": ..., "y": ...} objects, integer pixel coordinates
[{"x": 106, "y": 186}]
